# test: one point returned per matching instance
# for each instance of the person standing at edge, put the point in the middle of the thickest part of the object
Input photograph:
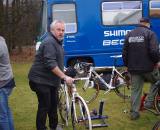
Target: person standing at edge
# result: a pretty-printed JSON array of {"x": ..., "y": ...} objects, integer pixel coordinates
[
  {"x": 7, "y": 84},
  {"x": 140, "y": 55},
  {"x": 46, "y": 74}
]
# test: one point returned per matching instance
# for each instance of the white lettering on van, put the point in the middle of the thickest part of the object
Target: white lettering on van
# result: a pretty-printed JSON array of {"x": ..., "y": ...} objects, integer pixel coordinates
[
  {"x": 113, "y": 42},
  {"x": 115, "y": 33}
]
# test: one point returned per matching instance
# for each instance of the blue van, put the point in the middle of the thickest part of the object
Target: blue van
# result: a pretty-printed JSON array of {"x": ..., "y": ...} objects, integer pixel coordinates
[{"x": 95, "y": 29}]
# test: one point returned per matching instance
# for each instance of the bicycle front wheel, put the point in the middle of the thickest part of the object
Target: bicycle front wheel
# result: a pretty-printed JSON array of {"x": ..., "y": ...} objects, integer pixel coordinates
[
  {"x": 63, "y": 105},
  {"x": 157, "y": 101},
  {"x": 156, "y": 126},
  {"x": 122, "y": 85},
  {"x": 80, "y": 115}
]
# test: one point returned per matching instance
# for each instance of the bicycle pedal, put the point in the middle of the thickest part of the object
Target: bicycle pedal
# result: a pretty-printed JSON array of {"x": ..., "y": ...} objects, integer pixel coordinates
[{"x": 94, "y": 112}]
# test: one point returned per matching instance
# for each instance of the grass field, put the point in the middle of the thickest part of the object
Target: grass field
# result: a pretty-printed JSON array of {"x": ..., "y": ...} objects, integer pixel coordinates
[{"x": 24, "y": 105}]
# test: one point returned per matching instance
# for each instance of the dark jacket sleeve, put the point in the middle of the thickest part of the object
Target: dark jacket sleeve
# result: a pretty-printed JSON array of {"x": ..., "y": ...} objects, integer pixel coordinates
[
  {"x": 154, "y": 48},
  {"x": 125, "y": 51},
  {"x": 49, "y": 55}
]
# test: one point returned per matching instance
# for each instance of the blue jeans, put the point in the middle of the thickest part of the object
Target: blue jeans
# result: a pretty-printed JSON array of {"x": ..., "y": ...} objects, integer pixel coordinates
[{"x": 6, "y": 119}]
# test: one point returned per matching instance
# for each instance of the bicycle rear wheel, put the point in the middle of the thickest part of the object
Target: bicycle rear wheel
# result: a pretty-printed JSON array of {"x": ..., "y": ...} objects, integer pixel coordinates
[
  {"x": 122, "y": 85},
  {"x": 156, "y": 126},
  {"x": 80, "y": 115},
  {"x": 89, "y": 90},
  {"x": 157, "y": 101},
  {"x": 63, "y": 105}
]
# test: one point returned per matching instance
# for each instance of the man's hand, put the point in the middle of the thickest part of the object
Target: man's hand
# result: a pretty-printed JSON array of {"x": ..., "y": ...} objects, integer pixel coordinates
[{"x": 69, "y": 80}]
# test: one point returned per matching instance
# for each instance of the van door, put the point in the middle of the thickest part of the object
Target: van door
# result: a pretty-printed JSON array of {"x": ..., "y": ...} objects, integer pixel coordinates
[{"x": 154, "y": 13}]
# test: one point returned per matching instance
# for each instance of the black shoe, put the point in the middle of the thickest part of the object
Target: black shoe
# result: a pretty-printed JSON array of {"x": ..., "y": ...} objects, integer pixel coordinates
[
  {"x": 52, "y": 129},
  {"x": 134, "y": 115},
  {"x": 148, "y": 105}
]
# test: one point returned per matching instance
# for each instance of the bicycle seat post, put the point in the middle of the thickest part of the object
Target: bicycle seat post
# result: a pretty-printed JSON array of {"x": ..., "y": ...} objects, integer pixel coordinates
[{"x": 115, "y": 60}]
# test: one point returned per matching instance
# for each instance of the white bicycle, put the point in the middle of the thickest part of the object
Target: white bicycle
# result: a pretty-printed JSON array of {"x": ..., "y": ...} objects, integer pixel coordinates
[
  {"x": 118, "y": 81},
  {"x": 71, "y": 101}
]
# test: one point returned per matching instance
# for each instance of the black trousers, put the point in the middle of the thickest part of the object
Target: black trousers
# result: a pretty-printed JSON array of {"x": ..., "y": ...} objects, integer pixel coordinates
[{"x": 47, "y": 105}]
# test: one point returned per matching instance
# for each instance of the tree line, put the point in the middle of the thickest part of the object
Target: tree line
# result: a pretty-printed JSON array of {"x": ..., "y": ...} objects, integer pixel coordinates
[{"x": 19, "y": 22}]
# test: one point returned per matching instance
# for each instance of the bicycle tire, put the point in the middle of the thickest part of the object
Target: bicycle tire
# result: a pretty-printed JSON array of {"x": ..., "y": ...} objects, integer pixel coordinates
[
  {"x": 156, "y": 126},
  {"x": 63, "y": 105},
  {"x": 122, "y": 85},
  {"x": 81, "y": 119},
  {"x": 90, "y": 89},
  {"x": 157, "y": 101}
]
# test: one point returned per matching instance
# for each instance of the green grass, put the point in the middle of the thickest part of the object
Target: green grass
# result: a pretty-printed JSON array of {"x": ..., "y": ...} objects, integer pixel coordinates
[{"x": 24, "y": 105}]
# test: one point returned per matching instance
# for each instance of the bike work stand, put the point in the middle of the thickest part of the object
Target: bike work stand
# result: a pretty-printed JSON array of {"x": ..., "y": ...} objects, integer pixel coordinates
[{"x": 99, "y": 116}]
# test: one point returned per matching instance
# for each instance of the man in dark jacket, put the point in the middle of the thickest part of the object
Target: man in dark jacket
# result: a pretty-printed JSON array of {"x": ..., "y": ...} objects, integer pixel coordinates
[
  {"x": 140, "y": 56},
  {"x": 46, "y": 73}
]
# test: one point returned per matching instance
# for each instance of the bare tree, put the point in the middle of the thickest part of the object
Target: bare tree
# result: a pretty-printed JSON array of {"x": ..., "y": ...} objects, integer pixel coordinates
[
  {"x": 1, "y": 17},
  {"x": 18, "y": 22}
]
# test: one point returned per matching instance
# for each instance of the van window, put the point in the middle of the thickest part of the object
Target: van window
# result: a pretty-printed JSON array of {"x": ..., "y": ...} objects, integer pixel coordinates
[
  {"x": 121, "y": 12},
  {"x": 65, "y": 12},
  {"x": 43, "y": 18},
  {"x": 155, "y": 8}
]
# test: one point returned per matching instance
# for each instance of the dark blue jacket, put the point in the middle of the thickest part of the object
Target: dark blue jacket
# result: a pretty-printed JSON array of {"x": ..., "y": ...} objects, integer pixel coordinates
[{"x": 140, "y": 51}]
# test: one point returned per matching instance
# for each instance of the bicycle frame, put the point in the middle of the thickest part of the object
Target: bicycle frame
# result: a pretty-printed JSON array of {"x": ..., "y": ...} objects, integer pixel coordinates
[{"x": 109, "y": 86}]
